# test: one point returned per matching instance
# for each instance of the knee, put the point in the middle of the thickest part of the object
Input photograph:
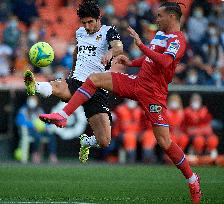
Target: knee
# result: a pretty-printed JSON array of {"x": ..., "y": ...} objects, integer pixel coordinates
[
  {"x": 60, "y": 89},
  {"x": 164, "y": 142},
  {"x": 95, "y": 78},
  {"x": 199, "y": 143},
  {"x": 162, "y": 136},
  {"x": 103, "y": 140},
  {"x": 56, "y": 88},
  {"x": 212, "y": 142}
]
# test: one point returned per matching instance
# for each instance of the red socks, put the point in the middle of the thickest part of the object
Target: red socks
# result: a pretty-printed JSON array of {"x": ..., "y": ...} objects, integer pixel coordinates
[
  {"x": 83, "y": 94},
  {"x": 176, "y": 154}
]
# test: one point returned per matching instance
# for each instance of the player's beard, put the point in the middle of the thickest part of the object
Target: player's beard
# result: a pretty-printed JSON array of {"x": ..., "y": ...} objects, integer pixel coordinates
[
  {"x": 88, "y": 31},
  {"x": 93, "y": 31}
]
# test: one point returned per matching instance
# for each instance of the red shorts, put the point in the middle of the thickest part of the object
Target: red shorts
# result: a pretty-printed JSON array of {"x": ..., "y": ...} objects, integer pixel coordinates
[{"x": 127, "y": 86}]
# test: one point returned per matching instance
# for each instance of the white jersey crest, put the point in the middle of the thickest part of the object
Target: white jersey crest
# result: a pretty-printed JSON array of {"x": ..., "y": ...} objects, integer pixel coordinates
[{"x": 91, "y": 48}]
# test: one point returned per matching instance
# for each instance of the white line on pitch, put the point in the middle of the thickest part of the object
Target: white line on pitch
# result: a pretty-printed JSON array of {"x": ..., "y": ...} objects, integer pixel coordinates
[{"x": 40, "y": 202}]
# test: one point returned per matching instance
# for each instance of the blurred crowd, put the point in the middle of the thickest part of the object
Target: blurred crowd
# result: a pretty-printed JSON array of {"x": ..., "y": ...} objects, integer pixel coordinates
[
  {"x": 32, "y": 130},
  {"x": 24, "y": 22},
  {"x": 191, "y": 127}
]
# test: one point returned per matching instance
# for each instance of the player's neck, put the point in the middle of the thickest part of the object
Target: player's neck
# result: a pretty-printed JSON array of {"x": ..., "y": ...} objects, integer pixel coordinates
[{"x": 173, "y": 28}]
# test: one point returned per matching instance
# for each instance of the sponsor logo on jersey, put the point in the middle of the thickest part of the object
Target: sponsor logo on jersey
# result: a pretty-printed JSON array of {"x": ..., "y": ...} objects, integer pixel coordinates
[
  {"x": 161, "y": 39},
  {"x": 160, "y": 117},
  {"x": 91, "y": 50},
  {"x": 154, "y": 108},
  {"x": 98, "y": 37},
  {"x": 132, "y": 76},
  {"x": 148, "y": 60},
  {"x": 152, "y": 47},
  {"x": 174, "y": 46},
  {"x": 80, "y": 35}
]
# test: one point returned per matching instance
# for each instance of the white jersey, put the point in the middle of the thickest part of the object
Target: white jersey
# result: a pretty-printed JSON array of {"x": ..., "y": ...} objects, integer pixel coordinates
[{"x": 91, "y": 48}]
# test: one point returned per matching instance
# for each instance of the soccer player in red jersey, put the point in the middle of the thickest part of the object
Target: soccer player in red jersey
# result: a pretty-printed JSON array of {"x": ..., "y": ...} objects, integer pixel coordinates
[{"x": 149, "y": 87}]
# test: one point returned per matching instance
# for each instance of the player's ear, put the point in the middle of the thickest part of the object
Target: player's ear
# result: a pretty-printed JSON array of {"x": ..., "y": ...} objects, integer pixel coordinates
[{"x": 98, "y": 20}]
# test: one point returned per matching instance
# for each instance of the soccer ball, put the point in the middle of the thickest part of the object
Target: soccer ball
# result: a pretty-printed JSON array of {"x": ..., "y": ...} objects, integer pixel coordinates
[{"x": 41, "y": 54}]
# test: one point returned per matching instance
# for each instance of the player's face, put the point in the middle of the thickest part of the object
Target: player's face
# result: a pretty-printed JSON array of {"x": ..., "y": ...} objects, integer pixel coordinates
[
  {"x": 162, "y": 19},
  {"x": 90, "y": 24}
]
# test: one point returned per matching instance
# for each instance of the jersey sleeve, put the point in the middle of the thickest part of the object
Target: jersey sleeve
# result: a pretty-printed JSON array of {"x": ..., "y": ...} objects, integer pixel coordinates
[
  {"x": 112, "y": 34},
  {"x": 137, "y": 62},
  {"x": 175, "y": 47}
]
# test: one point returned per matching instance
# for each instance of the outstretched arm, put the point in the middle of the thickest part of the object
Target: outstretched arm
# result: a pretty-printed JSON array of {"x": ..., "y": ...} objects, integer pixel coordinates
[
  {"x": 137, "y": 62},
  {"x": 163, "y": 59},
  {"x": 122, "y": 59}
]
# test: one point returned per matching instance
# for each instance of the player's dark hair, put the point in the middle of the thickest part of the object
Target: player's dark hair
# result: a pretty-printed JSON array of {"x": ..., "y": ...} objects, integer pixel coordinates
[
  {"x": 88, "y": 8},
  {"x": 173, "y": 7}
]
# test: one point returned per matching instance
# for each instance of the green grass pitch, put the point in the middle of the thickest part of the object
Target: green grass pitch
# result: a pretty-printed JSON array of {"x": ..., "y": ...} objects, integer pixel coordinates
[{"x": 101, "y": 183}]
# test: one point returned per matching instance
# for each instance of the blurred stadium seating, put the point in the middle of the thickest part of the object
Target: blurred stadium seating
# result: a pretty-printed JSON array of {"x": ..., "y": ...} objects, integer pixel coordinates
[{"x": 55, "y": 21}]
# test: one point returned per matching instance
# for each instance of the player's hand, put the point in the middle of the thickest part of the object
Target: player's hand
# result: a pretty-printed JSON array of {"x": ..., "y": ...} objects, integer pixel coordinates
[
  {"x": 135, "y": 35},
  {"x": 107, "y": 58},
  {"x": 122, "y": 59}
]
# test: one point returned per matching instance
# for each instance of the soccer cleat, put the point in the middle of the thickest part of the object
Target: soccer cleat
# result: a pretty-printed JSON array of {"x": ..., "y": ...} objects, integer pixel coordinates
[
  {"x": 54, "y": 118},
  {"x": 84, "y": 149},
  {"x": 195, "y": 190},
  {"x": 29, "y": 83}
]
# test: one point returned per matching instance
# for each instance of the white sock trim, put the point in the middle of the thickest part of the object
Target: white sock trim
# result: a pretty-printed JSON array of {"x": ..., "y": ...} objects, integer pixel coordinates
[
  {"x": 44, "y": 88},
  {"x": 90, "y": 141}
]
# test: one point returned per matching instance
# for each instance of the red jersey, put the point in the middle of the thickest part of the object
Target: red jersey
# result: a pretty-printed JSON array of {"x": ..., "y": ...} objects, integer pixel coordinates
[
  {"x": 198, "y": 122},
  {"x": 197, "y": 118},
  {"x": 150, "y": 86},
  {"x": 175, "y": 117},
  {"x": 153, "y": 77}
]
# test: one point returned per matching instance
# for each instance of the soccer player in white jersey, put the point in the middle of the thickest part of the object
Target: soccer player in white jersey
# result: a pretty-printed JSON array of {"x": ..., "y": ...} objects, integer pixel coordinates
[{"x": 96, "y": 45}]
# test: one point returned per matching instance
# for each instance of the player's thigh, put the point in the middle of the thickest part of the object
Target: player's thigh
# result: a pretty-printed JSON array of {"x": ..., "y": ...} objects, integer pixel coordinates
[
  {"x": 156, "y": 114},
  {"x": 100, "y": 124},
  {"x": 60, "y": 89},
  {"x": 102, "y": 80},
  {"x": 124, "y": 85},
  {"x": 155, "y": 110}
]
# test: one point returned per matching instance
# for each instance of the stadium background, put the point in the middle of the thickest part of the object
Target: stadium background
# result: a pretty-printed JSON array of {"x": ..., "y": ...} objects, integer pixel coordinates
[{"x": 24, "y": 22}]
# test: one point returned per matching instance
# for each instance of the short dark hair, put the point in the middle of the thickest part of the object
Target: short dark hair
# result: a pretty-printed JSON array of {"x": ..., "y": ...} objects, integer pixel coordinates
[
  {"x": 173, "y": 7},
  {"x": 88, "y": 8}
]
